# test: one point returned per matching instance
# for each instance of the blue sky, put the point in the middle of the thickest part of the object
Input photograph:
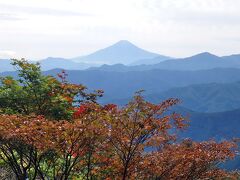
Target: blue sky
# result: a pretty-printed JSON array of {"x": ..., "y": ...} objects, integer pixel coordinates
[{"x": 37, "y": 29}]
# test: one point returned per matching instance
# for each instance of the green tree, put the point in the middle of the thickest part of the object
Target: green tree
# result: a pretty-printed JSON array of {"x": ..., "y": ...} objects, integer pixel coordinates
[{"x": 34, "y": 93}]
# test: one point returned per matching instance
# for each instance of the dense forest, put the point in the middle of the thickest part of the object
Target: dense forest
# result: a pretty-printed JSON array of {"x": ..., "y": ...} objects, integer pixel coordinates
[{"x": 53, "y": 129}]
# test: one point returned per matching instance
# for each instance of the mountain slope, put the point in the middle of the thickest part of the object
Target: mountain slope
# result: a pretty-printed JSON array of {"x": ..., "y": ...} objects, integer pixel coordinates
[
  {"x": 220, "y": 125},
  {"x": 197, "y": 62},
  {"x": 48, "y": 64},
  {"x": 151, "y": 61},
  {"x": 5, "y": 65},
  {"x": 121, "y": 85},
  {"x": 212, "y": 97},
  {"x": 53, "y": 63},
  {"x": 118, "y": 85},
  {"x": 234, "y": 57},
  {"x": 122, "y": 52},
  {"x": 202, "y": 61}
]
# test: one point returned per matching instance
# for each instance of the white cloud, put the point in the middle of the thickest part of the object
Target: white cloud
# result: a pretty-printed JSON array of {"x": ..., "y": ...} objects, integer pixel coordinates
[
  {"x": 9, "y": 17},
  {"x": 39, "y": 10},
  {"x": 7, "y": 54},
  {"x": 74, "y": 27}
]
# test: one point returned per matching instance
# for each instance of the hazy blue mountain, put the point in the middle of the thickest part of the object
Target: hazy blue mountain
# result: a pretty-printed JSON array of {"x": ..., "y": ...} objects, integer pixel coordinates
[
  {"x": 235, "y": 58},
  {"x": 197, "y": 62},
  {"x": 116, "y": 58},
  {"x": 5, "y": 65},
  {"x": 151, "y": 61},
  {"x": 202, "y": 61},
  {"x": 121, "y": 85},
  {"x": 204, "y": 126},
  {"x": 114, "y": 67},
  {"x": 48, "y": 64},
  {"x": 219, "y": 125},
  {"x": 61, "y": 63},
  {"x": 122, "y": 52},
  {"x": 214, "y": 97}
]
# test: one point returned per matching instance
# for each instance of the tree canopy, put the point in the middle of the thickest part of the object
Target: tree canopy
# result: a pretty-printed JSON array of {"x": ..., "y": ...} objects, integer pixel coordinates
[{"x": 52, "y": 129}]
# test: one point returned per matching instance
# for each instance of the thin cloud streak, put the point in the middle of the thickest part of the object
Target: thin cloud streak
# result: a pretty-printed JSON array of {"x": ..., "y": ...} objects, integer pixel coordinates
[
  {"x": 40, "y": 10},
  {"x": 10, "y": 17}
]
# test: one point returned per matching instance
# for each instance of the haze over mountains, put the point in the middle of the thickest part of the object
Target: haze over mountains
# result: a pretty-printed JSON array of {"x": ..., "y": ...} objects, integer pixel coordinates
[
  {"x": 197, "y": 62},
  {"x": 193, "y": 79},
  {"x": 125, "y": 56},
  {"x": 53, "y": 63},
  {"x": 123, "y": 52},
  {"x": 211, "y": 97},
  {"x": 121, "y": 85}
]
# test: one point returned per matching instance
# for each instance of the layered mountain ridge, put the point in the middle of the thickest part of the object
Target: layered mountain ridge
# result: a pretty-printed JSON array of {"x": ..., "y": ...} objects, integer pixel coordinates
[{"x": 125, "y": 56}]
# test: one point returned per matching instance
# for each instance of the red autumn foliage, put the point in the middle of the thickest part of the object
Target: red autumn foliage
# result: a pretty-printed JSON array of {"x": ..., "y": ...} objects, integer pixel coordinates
[
  {"x": 79, "y": 111},
  {"x": 109, "y": 107},
  {"x": 112, "y": 144}
]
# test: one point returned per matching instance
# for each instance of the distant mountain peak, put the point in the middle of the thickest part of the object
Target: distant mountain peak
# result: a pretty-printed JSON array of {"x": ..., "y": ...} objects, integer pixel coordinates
[
  {"x": 204, "y": 56},
  {"x": 53, "y": 59},
  {"x": 123, "y": 52},
  {"x": 124, "y": 43}
]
